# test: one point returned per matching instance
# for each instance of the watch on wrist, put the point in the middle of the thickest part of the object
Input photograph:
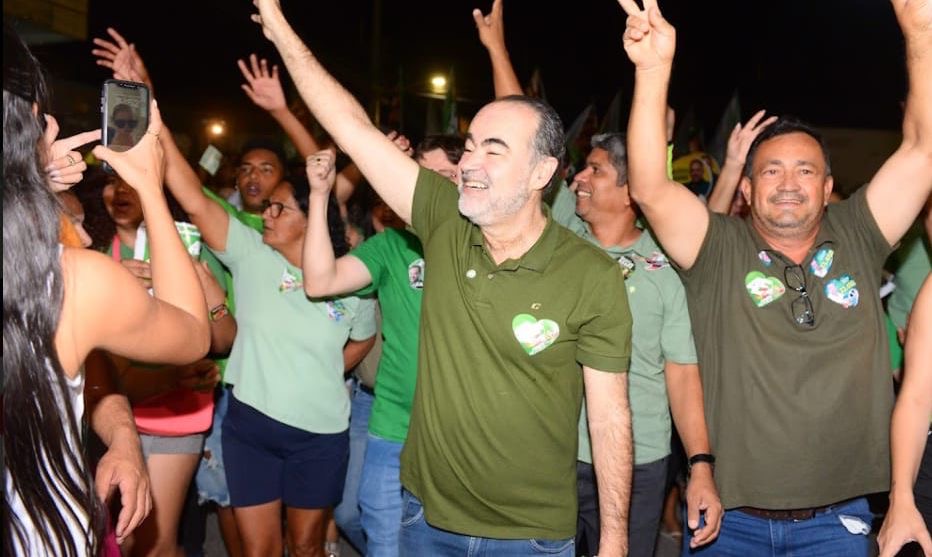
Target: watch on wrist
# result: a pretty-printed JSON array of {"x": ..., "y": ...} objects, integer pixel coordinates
[
  {"x": 219, "y": 312},
  {"x": 702, "y": 457}
]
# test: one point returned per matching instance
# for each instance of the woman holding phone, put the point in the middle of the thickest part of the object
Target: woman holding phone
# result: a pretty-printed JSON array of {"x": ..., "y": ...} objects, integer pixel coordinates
[{"x": 56, "y": 311}]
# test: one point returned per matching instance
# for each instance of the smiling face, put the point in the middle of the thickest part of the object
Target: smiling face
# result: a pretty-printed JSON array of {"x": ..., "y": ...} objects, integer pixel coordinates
[
  {"x": 598, "y": 194},
  {"x": 259, "y": 172},
  {"x": 500, "y": 172},
  {"x": 789, "y": 185},
  {"x": 122, "y": 204},
  {"x": 288, "y": 227}
]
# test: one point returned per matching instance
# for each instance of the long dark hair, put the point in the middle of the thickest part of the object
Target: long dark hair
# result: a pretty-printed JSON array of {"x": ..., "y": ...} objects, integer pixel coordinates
[
  {"x": 301, "y": 189},
  {"x": 44, "y": 468}
]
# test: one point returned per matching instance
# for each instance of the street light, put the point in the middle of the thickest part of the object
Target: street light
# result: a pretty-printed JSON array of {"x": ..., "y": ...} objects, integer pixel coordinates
[
  {"x": 438, "y": 84},
  {"x": 217, "y": 128}
]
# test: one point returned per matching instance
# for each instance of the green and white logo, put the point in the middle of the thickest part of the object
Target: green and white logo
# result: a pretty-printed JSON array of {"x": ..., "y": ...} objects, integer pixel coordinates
[{"x": 534, "y": 335}]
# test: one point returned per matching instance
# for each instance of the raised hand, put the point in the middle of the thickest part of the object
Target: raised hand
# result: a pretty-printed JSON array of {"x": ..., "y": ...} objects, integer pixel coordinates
[
  {"x": 321, "y": 171},
  {"x": 741, "y": 138},
  {"x": 262, "y": 86},
  {"x": 143, "y": 166},
  {"x": 402, "y": 142},
  {"x": 121, "y": 57},
  {"x": 491, "y": 27},
  {"x": 269, "y": 16},
  {"x": 649, "y": 39},
  {"x": 65, "y": 166},
  {"x": 914, "y": 17}
]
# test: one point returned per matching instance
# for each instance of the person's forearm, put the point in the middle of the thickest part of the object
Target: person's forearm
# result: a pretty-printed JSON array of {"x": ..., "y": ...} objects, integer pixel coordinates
[
  {"x": 684, "y": 389},
  {"x": 909, "y": 433},
  {"x": 612, "y": 459},
  {"x": 173, "y": 277},
  {"x": 181, "y": 179},
  {"x": 346, "y": 183},
  {"x": 319, "y": 262},
  {"x": 917, "y": 120},
  {"x": 355, "y": 351},
  {"x": 646, "y": 134},
  {"x": 112, "y": 420},
  {"x": 222, "y": 334},
  {"x": 724, "y": 191},
  {"x": 503, "y": 74},
  {"x": 303, "y": 141}
]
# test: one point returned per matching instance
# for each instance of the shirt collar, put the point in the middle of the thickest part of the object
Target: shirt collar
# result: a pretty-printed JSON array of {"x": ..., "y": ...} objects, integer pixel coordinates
[{"x": 539, "y": 256}]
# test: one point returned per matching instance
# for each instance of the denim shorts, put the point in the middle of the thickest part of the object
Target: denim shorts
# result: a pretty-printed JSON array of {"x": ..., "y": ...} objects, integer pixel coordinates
[{"x": 211, "y": 477}]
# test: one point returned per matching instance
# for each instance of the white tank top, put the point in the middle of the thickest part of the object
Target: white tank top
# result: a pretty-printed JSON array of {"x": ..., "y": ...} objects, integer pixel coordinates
[{"x": 80, "y": 526}]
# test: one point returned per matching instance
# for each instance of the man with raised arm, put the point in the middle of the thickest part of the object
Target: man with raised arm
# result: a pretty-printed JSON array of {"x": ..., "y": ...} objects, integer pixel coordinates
[
  {"x": 798, "y": 404},
  {"x": 513, "y": 307}
]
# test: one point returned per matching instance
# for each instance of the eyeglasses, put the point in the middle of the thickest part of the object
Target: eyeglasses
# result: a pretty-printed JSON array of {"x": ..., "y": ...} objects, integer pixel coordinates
[
  {"x": 125, "y": 124},
  {"x": 795, "y": 278},
  {"x": 275, "y": 208}
]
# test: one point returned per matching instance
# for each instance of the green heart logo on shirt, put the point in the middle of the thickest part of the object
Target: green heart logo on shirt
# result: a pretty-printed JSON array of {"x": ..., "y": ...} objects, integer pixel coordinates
[
  {"x": 763, "y": 289},
  {"x": 533, "y": 334}
]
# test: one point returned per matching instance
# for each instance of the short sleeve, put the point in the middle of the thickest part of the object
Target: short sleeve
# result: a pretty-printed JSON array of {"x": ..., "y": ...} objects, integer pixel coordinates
[
  {"x": 435, "y": 202},
  {"x": 372, "y": 254},
  {"x": 605, "y": 337},
  {"x": 364, "y": 323},
  {"x": 676, "y": 335},
  {"x": 242, "y": 242}
]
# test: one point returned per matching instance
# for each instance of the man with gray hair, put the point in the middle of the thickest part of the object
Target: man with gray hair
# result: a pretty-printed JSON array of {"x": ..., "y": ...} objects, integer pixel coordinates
[
  {"x": 663, "y": 376},
  {"x": 518, "y": 315}
]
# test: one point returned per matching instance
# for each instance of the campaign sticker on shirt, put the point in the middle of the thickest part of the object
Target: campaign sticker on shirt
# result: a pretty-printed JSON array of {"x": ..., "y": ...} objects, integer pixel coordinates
[
  {"x": 534, "y": 335},
  {"x": 627, "y": 265},
  {"x": 416, "y": 274},
  {"x": 763, "y": 289},
  {"x": 656, "y": 261},
  {"x": 822, "y": 262},
  {"x": 336, "y": 310},
  {"x": 289, "y": 282},
  {"x": 843, "y": 291},
  {"x": 765, "y": 258}
]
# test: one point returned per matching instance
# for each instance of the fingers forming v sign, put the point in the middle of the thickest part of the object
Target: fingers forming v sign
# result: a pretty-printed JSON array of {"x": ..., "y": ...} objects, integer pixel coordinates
[
  {"x": 649, "y": 39},
  {"x": 262, "y": 86}
]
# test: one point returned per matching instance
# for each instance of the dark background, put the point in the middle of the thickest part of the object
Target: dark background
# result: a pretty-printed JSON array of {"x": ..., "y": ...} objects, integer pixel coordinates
[{"x": 836, "y": 63}]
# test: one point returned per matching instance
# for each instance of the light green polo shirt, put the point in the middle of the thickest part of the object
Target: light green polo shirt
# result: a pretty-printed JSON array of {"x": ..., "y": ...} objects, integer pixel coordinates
[
  {"x": 911, "y": 265},
  {"x": 491, "y": 449},
  {"x": 395, "y": 260},
  {"x": 287, "y": 359},
  {"x": 661, "y": 333}
]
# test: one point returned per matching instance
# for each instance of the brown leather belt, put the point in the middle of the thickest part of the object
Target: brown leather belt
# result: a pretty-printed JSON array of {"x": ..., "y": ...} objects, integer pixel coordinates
[{"x": 789, "y": 514}]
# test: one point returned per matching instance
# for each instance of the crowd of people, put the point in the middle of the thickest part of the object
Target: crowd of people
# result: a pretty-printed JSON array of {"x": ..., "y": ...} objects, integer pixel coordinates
[{"x": 458, "y": 347}]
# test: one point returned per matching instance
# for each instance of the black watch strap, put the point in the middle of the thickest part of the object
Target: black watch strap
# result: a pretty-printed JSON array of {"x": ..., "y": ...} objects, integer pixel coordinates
[{"x": 702, "y": 457}]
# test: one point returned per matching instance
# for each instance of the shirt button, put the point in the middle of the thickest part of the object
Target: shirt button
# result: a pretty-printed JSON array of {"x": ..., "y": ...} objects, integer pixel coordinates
[
  {"x": 471, "y": 273},
  {"x": 490, "y": 276}
]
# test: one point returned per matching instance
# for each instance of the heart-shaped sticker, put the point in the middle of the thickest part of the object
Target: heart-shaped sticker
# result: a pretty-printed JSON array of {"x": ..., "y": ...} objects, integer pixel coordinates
[
  {"x": 843, "y": 291},
  {"x": 534, "y": 334},
  {"x": 763, "y": 289}
]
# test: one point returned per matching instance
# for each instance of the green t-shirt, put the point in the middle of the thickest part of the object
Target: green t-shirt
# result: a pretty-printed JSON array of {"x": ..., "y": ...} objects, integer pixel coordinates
[
  {"x": 798, "y": 417},
  {"x": 911, "y": 265},
  {"x": 661, "y": 333},
  {"x": 395, "y": 260},
  {"x": 491, "y": 450},
  {"x": 287, "y": 359}
]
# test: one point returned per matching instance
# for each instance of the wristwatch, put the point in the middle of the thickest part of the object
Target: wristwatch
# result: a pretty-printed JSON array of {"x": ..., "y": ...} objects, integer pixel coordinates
[
  {"x": 219, "y": 312},
  {"x": 702, "y": 457}
]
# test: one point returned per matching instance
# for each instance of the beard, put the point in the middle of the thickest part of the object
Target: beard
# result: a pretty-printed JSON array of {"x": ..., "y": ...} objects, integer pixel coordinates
[{"x": 492, "y": 208}]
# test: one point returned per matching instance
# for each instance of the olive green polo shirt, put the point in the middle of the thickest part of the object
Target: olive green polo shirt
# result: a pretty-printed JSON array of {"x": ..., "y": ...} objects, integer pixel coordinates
[
  {"x": 661, "y": 332},
  {"x": 798, "y": 417},
  {"x": 491, "y": 449}
]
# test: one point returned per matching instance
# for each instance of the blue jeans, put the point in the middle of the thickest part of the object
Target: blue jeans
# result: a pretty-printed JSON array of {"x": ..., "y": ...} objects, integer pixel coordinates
[
  {"x": 418, "y": 538},
  {"x": 825, "y": 535},
  {"x": 380, "y": 496},
  {"x": 211, "y": 476},
  {"x": 346, "y": 514}
]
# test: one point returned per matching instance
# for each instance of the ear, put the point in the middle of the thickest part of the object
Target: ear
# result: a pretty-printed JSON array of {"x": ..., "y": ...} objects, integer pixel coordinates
[
  {"x": 745, "y": 187},
  {"x": 827, "y": 189},
  {"x": 543, "y": 172}
]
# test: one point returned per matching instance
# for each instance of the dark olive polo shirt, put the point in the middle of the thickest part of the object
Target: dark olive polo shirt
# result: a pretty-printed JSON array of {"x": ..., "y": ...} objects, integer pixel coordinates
[
  {"x": 798, "y": 416},
  {"x": 492, "y": 444}
]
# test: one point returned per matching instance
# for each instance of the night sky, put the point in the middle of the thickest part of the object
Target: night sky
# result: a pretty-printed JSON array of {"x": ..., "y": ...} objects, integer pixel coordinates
[{"x": 833, "y": 62}]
